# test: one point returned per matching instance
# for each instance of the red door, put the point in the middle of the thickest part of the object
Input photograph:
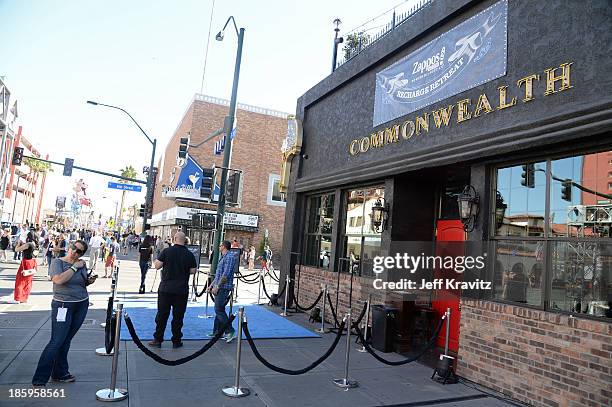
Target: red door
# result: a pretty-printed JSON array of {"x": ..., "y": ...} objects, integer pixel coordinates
[{"x": 448, "y": 231}]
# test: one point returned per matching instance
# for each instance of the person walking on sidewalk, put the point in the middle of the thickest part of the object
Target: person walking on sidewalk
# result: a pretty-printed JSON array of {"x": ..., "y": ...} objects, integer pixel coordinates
[
  {"x": 27, "y": 268},
  {"x": 113, "y": 250},
  {"x": 146, "y": 251},
  {"x": 5, "y": 242},
  {"x": 222, "y": 287},
  {"x": 177, "y": 264},
  {"x": 95, "y": 244},
  {"x": 68, "y": 310}
]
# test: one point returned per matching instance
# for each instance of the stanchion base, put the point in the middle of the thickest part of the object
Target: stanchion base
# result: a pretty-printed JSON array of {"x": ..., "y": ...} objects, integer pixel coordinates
[
  {"x": 346, "y": 384},
  {"x": 322, "y": 331},
  {"x": 110, "y": 395},
  {"x": 102, "y": 352},
  {"x": 362, "y": 350},
  {"x": 236, "y": 392},
  {"x": 205, "y": 316},
  {"x": 103, "y": 324}
]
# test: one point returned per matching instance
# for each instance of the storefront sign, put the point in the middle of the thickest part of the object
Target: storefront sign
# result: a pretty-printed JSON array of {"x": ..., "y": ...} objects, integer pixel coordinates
[
  {"x": 180, "y": 212},
  {"x": 557, "y": 80},
  {"x": 188, "y": 183},
  {"x": 472, "y": 53}
]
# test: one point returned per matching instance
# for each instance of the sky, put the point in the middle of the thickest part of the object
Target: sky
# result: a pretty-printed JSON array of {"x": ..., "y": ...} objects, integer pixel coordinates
[{"x": 147, "y": 57}]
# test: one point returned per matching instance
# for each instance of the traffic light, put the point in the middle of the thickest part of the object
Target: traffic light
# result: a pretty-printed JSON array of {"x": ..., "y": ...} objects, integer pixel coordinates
[
  {"x": 17, "y": 156},
  {"x": 232, "y": 189},
  {"x": 183, "y": 147},
  {"x": 528, "y": 176},
  {"x": 141, "y": 211},
  {"x": 208, "y": 183},
  {"x": 566, "y": 190},
  {"x": 68, "y": 164}
]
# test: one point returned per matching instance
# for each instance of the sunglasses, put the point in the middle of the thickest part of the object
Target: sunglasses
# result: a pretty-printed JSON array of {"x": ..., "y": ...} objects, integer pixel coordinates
[{"x": 77, "y": 250}]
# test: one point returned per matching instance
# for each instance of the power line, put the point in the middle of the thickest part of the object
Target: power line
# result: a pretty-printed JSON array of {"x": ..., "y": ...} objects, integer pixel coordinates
[{"x": 207, "y": 44}]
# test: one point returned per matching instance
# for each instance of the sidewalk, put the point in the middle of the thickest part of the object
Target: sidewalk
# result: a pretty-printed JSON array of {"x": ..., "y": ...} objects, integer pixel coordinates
[{"x": 25, "y": 330}]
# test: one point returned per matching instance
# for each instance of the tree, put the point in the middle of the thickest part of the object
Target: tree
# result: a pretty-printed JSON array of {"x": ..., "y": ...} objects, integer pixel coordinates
[
  {"x": 128, "y": 172},
  {"x": 355, "y": 42},
  {"x": 39, "y": 167}
]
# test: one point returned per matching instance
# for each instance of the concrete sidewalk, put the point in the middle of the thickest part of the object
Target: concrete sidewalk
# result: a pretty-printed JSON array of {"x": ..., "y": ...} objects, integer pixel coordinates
[{"x": 25, "y": 329}]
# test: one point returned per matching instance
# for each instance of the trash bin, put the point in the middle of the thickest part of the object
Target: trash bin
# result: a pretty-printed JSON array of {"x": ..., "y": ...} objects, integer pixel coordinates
[{"x": 383, "y": 327}]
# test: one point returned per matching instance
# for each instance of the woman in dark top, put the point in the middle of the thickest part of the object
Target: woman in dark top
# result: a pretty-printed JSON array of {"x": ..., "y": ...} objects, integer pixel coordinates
[
  {"x": 5, "y": 242},
  {"x": 27, "y": 268},
  {"x": 146, "y": 250},
  {"x": 68, "y": 311}
]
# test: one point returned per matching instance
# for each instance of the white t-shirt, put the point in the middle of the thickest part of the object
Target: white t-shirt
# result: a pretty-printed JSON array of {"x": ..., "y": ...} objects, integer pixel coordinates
[{"x": 95, "y": 242}]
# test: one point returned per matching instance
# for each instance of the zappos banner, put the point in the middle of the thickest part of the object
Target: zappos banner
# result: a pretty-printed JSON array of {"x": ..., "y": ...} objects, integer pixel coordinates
[{"x": 469, "y": 55}]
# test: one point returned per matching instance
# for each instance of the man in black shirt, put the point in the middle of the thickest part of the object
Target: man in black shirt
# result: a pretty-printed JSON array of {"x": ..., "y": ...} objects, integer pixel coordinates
[{"x": 178, "y": 264}]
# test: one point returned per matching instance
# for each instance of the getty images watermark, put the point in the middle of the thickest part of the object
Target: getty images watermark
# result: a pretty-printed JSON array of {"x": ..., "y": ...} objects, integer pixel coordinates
[{"x": 431, "y": 265}]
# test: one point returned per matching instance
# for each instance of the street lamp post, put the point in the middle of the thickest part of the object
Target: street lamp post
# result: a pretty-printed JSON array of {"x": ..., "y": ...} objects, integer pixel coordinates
[
  {"x": 150, "y": 173},
  {"x": 227, "y": 153}
]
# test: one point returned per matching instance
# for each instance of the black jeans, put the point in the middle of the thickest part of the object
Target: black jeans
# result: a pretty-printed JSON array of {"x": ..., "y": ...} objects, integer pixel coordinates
[
  {"x": 165, "y": 301},
  {"x": 144, "y": 267}
]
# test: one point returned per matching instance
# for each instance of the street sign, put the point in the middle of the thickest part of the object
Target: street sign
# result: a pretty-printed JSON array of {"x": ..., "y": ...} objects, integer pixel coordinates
[{"x": 124, "y": 187}]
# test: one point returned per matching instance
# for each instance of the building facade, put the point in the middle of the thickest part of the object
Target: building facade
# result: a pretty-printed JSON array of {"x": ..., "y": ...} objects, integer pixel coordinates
[
  {"x": 256, "y": 147},
  {"x": 509, "y": 99}
]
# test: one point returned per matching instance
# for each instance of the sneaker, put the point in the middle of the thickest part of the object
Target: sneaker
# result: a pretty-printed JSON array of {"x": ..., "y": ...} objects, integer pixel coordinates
[
  {"x": 154, "y": 344},
  {"x": 176, "y": 345},
  {"x": 211, "y": 334},
  {"x": 65, "y": 379},
  {"x": 230, "y": 336}
]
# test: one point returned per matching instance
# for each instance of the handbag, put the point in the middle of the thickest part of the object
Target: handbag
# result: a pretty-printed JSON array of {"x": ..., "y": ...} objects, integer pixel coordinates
[{"x": 29, "y": 272}]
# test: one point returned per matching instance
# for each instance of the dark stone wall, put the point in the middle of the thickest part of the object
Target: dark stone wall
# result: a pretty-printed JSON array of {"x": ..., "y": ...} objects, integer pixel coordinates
[{"x": 541, "y": 35}]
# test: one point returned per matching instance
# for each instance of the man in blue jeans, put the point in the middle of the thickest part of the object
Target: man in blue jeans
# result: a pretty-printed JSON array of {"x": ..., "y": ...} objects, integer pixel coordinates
[{"x": 222, "y": 287}]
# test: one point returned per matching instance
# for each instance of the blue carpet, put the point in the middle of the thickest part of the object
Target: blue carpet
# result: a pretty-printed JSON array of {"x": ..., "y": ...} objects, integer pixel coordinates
[{"x": 263, "y": 324}]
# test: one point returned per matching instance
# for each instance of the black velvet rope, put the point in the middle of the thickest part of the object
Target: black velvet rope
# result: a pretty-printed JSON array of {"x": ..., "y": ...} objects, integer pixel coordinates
[
  {"x": 263, "y": 283},
  {"x": 428, "y": 346},
  {"x": 247, "y": 275},
  {"x": 109, "y": 334},
  {"x": 273, "y": 276},
  {"x": 270, "y": 366},
  {"x": 107, "y": 327},
  {"x": 333, "y": 311},
  {"x": 159, "y": 359},
  {"x": 304, "y": 309},
  {"x": 247, "y": 281},
  {"x": 280, "y": 294},
  {"x": 199, "y": 294},
  {"x": 362, "y": 314}
]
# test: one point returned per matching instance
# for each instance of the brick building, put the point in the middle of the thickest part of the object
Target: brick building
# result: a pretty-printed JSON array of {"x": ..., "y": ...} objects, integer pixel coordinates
[
  {"x": 505, "y": 105},
  {"x": 256, "y": 151}
]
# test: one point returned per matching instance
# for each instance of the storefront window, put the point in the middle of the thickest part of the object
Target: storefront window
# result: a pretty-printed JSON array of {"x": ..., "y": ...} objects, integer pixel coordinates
[
  {"x": 522, "y": 189},
  {"x": 320, "y": 225},
  {"x": 361, "y": 242},
  {"x": 574, "y": 259}
]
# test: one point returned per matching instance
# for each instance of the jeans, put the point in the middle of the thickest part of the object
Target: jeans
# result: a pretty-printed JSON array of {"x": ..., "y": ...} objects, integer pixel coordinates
[
  {"x": 165, "y": 301},
  {"x": 53, "y": 361},
  {"x": 221, "y": 317},
  {"x": 17, "y": 255},
  {"x": 144, "y": 267}
]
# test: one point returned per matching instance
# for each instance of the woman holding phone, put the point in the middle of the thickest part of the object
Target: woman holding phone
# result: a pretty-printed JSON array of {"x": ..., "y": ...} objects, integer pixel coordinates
[{"x": 68, "y": 310}]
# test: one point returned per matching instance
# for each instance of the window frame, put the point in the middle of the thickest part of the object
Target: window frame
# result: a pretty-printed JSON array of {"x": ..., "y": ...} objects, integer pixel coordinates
[
  {"x": 308, "y": 201},
  {"x": 547, "y": 239},
  {"x": 272, "y": 178}
]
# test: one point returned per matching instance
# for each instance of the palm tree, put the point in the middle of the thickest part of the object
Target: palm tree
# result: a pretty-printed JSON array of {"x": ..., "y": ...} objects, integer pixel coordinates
[{"x": 128, "y": 172}]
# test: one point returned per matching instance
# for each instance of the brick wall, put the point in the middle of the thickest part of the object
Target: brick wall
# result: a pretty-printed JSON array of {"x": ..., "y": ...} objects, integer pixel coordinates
[
  {"x": 256, "y": 151},
  {"x": 542, "y": 358}
]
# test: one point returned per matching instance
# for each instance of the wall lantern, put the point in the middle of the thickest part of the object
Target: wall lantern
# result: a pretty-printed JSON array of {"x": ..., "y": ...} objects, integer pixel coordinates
[
  {"x": 380, "y": 210},
  {"x": 500, "y": 210},
  {"x": 468, "y": 207}
]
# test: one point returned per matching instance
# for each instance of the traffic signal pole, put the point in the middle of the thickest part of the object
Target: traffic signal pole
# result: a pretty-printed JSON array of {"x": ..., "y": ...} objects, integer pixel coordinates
[{"x": 227, "y": 154}]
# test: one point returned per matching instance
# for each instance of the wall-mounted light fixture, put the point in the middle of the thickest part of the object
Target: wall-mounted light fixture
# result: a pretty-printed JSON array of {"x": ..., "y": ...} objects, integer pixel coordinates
[
  {"x": 500, "y": 210},
  {"x": 468, "y": 202},
  {"x": 380, "y": 211}
]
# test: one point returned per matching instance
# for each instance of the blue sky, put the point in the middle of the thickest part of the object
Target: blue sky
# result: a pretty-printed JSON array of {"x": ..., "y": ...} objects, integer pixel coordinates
[{"x": 148, "y": 57}]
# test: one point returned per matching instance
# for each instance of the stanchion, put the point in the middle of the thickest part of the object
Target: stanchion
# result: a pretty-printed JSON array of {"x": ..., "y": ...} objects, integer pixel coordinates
[
  {"x": 112, "y": 393},
  {"x": 448, "y": 315},
  {"x": 259, "y": 287},
  {"x": 206, "y": 316},
  {"x": 237, "y": 280},
  {"x": 287, "y": 280},
  {"x": 365, "y": 327},
  {"x": 322, "y": 330},
  {"x": 444, "y": 368},
  {"x": 345, "y": 383},
  {"x": 102, "y": 351},
  {"x": 236, "y": 391}
]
